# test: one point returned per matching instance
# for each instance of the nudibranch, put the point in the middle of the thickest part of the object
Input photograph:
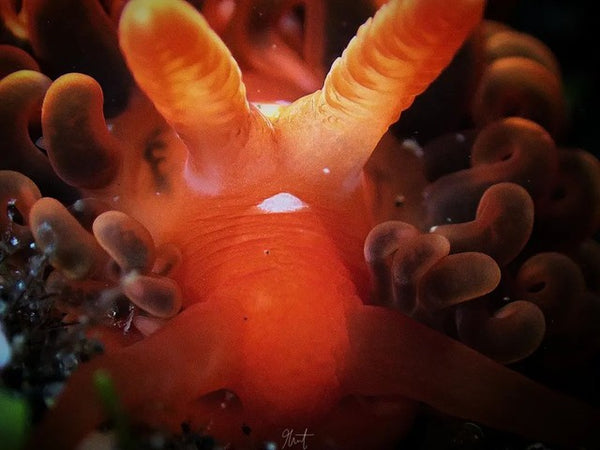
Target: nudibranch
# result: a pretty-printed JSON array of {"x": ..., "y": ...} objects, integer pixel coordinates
[{"x": 267, "y": 212}]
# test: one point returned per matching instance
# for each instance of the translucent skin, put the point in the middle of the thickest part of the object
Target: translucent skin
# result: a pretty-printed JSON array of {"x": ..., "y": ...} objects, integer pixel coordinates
[{"x": 275, "y": 302}]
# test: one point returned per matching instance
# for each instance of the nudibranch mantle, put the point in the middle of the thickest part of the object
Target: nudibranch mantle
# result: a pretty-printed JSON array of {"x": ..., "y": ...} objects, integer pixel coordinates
[{"x": 268, "y": 215}]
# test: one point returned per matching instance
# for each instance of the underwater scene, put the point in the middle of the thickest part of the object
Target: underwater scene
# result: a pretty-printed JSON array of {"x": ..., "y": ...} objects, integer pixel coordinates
[{"x": 298, "y": 224}]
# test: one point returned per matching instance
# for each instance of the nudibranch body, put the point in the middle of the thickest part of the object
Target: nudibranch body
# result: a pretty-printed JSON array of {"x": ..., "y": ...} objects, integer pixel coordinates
[{"x": 268, "y": 215}]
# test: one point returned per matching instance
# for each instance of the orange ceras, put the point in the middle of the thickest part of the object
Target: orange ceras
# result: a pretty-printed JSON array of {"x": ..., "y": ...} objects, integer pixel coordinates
[{"x": 268, "y": 214}]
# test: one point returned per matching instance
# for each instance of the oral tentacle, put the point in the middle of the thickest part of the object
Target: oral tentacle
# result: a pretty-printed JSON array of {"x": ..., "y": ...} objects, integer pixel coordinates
[
  {"x": 474, "y": 387},
  {"x": 207, "y": 360}
]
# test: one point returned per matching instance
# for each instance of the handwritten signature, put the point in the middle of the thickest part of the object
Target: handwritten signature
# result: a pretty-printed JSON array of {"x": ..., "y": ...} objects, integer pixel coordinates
[{"x": 291, "y": 439}]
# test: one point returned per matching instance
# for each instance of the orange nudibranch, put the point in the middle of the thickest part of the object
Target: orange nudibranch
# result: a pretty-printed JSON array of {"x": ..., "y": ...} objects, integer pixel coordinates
[{"x": 268, "y": 216}]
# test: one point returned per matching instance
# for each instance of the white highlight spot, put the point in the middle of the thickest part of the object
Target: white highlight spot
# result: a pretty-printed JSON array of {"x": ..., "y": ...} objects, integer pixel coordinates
[
  {"x": 271, "y": 110},
  {"x": 283, "y": 202},
  {"x": 41, "y": 143},
  {"x": 5, "y": 350},
  {"x": 326, "y": 170},
  {"x": 413, "y": 146},
  {"x": 226, "y": 9}
]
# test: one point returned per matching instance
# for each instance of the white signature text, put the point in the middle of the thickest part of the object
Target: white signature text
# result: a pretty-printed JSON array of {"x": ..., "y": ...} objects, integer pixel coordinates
[{"x": 291, "y": 438}]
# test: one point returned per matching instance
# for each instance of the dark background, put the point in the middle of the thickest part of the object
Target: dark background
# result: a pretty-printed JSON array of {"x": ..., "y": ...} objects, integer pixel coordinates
[{"x": 570, "y": 29}]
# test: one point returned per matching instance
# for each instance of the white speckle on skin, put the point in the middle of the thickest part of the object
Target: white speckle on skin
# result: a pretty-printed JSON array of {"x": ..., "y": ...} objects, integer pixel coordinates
[
  {"x": 284, "y": 202},
  {"x": 226, "y": 8},
  {"x": 326, "y": 170},
  {"x": 413, "y": 146},
  {"x": 78, "y": 206}
]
